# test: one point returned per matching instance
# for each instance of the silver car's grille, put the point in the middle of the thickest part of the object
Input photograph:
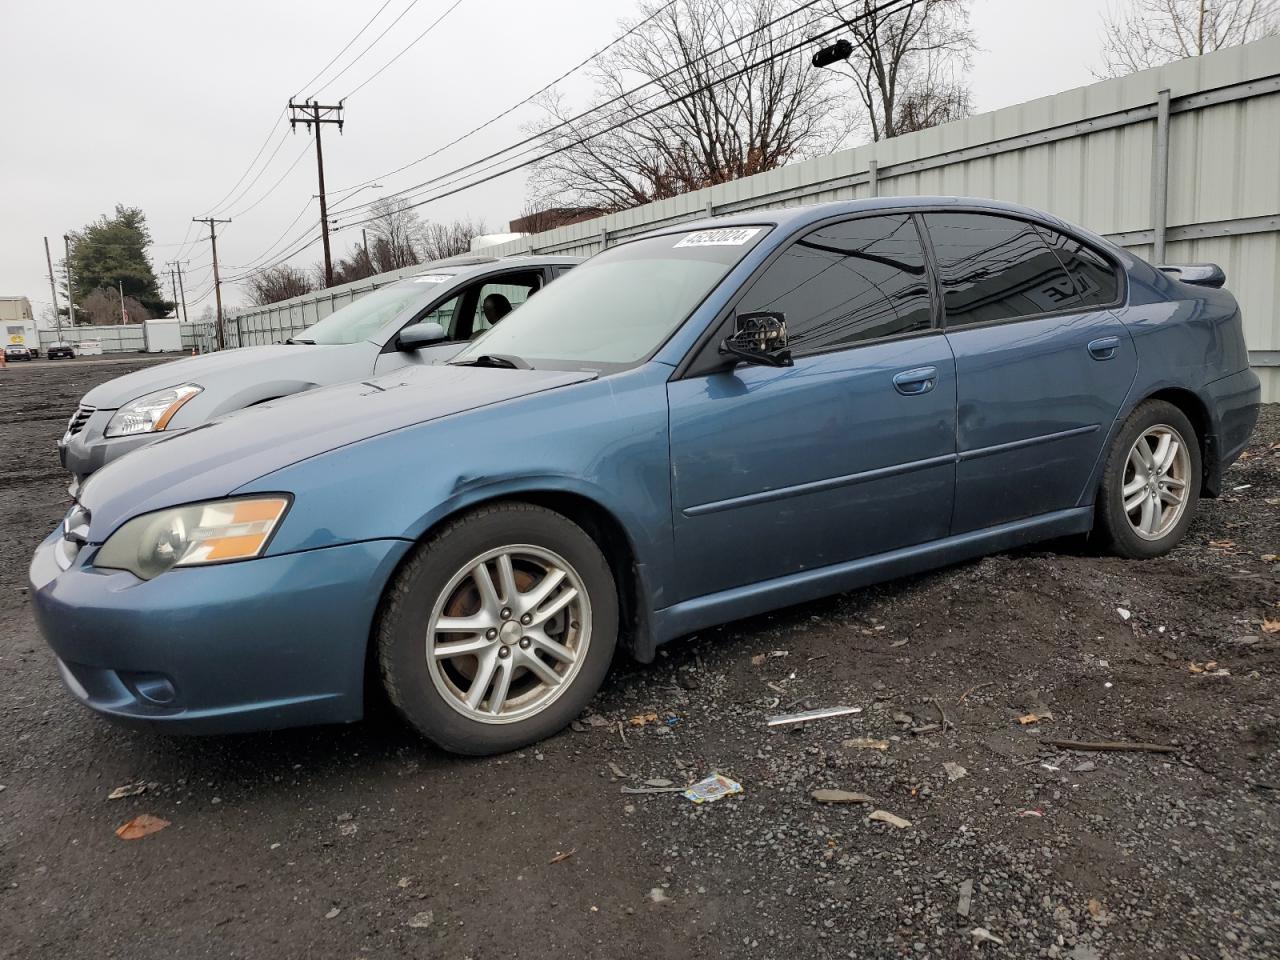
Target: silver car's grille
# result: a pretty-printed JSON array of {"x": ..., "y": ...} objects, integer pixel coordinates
[
  {"x": 79, "y": 419},
  {"x": 75, "y": 531}
]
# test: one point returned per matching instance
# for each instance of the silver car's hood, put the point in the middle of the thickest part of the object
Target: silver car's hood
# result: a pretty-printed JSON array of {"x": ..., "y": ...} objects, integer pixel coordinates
[
  {"x": 216, "y": 458},
  {"x": 245, "y": 362}
]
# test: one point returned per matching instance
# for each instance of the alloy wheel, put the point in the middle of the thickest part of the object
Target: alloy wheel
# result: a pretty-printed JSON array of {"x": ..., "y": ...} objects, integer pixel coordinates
[
  {"x": 508, "y": 634},
  {"x": 1156, "y": 478}
]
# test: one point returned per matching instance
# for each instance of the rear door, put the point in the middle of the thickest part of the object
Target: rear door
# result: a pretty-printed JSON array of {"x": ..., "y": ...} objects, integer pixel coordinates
[
  {"x": 848, "y": 453},
  {"x": 1042, "y": 363}
]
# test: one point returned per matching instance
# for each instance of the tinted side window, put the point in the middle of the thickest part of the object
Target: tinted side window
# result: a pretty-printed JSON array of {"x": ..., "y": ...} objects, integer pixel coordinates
[
  {"x": 853, "y": 281},
  {"x": 1095, "y": 279},
  {"x": 996, "y": 268}
]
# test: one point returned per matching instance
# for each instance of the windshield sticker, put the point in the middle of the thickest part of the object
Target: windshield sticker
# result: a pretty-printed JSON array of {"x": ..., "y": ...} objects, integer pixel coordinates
[
  {"x": 735, "y": 237},
  {"x": 433, "y": 278}
]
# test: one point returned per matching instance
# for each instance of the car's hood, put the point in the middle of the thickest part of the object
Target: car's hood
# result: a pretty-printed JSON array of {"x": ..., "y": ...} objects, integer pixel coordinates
[
  {"x": 112, "y": 394},
  {"x": 215, "y": 459}
]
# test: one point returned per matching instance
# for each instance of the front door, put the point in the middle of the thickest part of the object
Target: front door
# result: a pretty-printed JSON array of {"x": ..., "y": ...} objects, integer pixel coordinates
[
  {"x": 848, "y": 453},
  {"x": 1042, "y": 364}
]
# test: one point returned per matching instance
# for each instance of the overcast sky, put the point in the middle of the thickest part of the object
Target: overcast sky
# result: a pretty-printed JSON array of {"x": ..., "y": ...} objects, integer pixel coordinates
[{"x": 163, "y": 105}]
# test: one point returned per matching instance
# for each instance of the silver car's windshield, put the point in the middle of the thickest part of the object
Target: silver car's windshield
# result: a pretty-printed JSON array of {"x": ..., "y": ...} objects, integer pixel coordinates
[
  {"x": 619, "y": 306},
  {"x": 364, "y": 317}
]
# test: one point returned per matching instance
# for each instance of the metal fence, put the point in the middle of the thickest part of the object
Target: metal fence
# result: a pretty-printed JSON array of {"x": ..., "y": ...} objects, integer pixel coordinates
[
  {"x": 1178, "y": 164},
  {"x": 124, "y": 338}
]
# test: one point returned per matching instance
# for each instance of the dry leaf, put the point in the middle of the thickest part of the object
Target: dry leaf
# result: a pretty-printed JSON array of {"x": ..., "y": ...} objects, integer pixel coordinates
[
  {"x": 1228, "y": 545},
  {"x": 884, "y": 816},
  {"x": 141, "y": 826},
  {"x": 1095, "y": 908},
  {"x": 640, "y": 719},
  {"x": 759, "y": 659},
  {"x": 1270, "y": 558},
  {"x": 1271, "y": 626},
  {"x": 128, "y": 790},
  {"x": 1029, "y": 718},
  {"x": 563, "y": 856}
]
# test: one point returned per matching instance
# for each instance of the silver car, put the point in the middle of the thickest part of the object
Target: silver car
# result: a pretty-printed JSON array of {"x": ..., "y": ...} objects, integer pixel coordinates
[{"x": 425, "y": 318}]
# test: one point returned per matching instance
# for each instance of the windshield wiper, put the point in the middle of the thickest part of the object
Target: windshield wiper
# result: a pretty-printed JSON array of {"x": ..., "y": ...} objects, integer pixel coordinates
[
  {"x": 300, "y": 340},
  {"x": 505, "y": 360}
]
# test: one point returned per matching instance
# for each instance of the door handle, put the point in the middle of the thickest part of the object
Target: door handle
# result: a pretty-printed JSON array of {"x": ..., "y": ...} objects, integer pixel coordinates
[
  {"x": 912, "y": 383},
  {"x": 1104, "y": 348}
]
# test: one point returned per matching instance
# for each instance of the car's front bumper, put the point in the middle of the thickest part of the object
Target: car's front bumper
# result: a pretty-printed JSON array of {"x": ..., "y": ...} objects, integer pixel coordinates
[
  {"x": 273, "y": 642},
  {"x": 89, "y": 450}
]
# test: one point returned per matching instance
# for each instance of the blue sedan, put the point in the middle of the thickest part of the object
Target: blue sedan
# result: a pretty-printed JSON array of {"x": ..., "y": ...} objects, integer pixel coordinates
[{"x": 707, "y": 422}]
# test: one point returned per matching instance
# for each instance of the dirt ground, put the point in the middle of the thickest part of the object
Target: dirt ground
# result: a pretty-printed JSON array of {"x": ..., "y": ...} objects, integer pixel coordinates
[{"x": 361, "y": 842}]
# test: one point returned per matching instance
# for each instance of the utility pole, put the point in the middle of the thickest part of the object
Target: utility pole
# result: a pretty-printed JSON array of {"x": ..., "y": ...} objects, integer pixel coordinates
[
  {"x": 53, "y": 291},
  {"x": 309, "y": 112},
  {"x": 364, "y": 238},
  {"x": 217, "y": 282},
  {"x": 124, "y": 314},
  {"x": 71, "y": 296},
  {"x": 177, "y": 265},
  {"x": 173, "y": 285}
]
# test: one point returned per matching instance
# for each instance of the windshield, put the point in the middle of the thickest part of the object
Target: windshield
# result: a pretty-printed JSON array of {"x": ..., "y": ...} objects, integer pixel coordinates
[
  {"x": 619, "y": 306},
  {"x": 364, "y": 317}
]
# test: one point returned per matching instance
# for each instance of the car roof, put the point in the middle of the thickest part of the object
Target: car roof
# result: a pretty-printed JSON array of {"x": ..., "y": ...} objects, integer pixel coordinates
[
  {"x": 792, "y": 217},
  {"x": 469, "y": 265}
]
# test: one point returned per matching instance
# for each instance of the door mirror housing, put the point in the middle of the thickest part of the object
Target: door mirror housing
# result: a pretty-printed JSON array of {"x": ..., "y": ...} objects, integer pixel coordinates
[
  {"x": 419, "y": 335},
  {"x": 759, "y": 338}
]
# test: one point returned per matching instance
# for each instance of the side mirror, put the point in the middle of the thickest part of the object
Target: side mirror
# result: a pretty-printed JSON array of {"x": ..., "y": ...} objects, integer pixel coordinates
[
  {"x": 420, "y": 335},
  {"x": 758, "y": 338}
]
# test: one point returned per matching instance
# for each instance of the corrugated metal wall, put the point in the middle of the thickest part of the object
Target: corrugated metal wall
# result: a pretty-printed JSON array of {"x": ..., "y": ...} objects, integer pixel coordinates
[{"x": 1094, "y": 156}]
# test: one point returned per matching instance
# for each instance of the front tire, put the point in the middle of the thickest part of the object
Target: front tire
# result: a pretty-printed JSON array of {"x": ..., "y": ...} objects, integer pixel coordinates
[
  {"x": 499, "y": 629},
  {"x": 1151, "y": 482}
]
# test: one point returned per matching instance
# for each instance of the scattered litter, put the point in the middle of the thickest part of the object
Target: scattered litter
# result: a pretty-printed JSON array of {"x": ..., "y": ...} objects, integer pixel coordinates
[
  {"x": 404, "y": 882},
  {"x": 903, "y": 718},
  {"x": 617, "y": 771},
  {"x": 595, "y": 720},
  {"x": 775, "y": 654},
  {"x": 1031, "y": 813},
  {"x": 776, "y": 688},
  {"x": 839, "y": 796},
  {"x": 822, "y": 713},
  {"x": 333, "y": 913},
  {"x": 420, "y": 921},
  {"x": 898, "y": 643},
  {"x": 1030, "y": 718},
  {"x": 559, "y": 857},
  {"x": 865, "y": 743},
  {"x": 981, "y": 934},
  {"x": 884, "y": 816},
  {"x": 657, "y": 782},
  {"x": 759, "y": 659},
  {"x": 1271, "y": 626},
  {"x": 1124, "y": 614},
  {"x": 1088, "y": 766},
  {"x": 966, "y": 898},
  {"x": 654, "y": 789},
  {"x": 1210, "y": 669},
  {"x": 1096, "y": 909},
  {"x": 954, "y": 771},
  {"x": 128, "y": 790},
  {"x": 143, "y": 825},
  {"x": 658, "y": 895},
  {"x": 640, "y": 719},
  {"x": 713, "y": 788},
  {"x": 1126, "y": 747},
  {"x": 1243, "y": 486}
]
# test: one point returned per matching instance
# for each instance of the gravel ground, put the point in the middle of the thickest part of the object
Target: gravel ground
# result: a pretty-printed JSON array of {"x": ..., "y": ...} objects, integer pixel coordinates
[{"x": 360, "y": 842}]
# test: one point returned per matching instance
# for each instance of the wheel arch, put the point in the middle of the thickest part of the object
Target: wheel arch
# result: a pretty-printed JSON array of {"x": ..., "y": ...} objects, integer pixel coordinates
[{"x": 1197, "y": 411}]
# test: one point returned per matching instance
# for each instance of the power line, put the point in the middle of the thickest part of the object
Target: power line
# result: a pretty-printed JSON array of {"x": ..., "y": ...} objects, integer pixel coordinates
[
  {"x": 270, "y": 190},
  {"x": 415, "y": 40},
  {"x": 542, "y": 134},
  {"x": 284, "y": 135},
  {"x": 270, "y": 132},
  {"x": 319, "y": 72},
  {"x": 254, "y": 261},
  {"x": 516, "y": 106},
  {"x": 321, "y": 88}
]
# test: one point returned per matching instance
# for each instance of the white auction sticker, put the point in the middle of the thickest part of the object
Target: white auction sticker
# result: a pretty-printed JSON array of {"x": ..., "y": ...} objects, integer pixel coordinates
[
  {"x": 724, "y": 237},
  {"x": 433, "y": 278}
]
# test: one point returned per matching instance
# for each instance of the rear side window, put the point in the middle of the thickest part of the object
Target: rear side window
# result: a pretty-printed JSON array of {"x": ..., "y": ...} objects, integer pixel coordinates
[
  {"x": 860, "y": 280},
  {"x": 996, "y": 268},
  {"x": 1094, "y": 279}
]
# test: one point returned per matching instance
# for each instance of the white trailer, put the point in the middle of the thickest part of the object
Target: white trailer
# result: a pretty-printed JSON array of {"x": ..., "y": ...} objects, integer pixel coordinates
[{"x": 17, "y": 325}]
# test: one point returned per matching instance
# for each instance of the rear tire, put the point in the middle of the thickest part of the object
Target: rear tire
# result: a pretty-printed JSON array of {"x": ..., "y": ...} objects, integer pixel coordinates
[
  {"x": 1151, "y": 482},
  {"x": 499, "y": 629}
]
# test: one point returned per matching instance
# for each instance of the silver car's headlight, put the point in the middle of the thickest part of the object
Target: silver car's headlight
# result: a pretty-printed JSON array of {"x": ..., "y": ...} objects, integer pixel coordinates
[
  {"x": 152, "y": 412},
  {"x": 201, "y": 533}
]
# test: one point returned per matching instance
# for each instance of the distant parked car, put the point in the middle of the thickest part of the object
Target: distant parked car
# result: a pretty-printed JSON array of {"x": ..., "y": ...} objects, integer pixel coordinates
[
  {"x": 421, "y": 319},
  {"x": 60, "y": 351},
  {"x": 702, "y": 424},
  {"x": 16, "y": 351}
]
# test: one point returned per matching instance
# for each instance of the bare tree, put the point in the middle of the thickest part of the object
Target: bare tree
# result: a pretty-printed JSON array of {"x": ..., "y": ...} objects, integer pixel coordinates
[
  {"x": 396, "y": 233},
  {"x": 718, "y": 126},
  {"x": 102, "y": 308},
  {"x": 279, "y": 283},
  {"x": 441, "y": 240},
  {"x": 357, "y": 265},
  {"x": 1148, "y": 33},
  {"x": 905, "y": 64}
]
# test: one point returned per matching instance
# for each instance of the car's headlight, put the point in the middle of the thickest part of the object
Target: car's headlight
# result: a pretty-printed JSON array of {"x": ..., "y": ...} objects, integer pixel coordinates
[
  {"x": 152, "y": 412},
  {"x": 201, "y": 533}
]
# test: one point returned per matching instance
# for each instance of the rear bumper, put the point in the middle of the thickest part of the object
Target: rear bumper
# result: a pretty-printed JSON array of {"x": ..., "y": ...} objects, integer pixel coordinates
[
  {"x": 274, "y": 642},
  {"x": 1233, "y": 406}
]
